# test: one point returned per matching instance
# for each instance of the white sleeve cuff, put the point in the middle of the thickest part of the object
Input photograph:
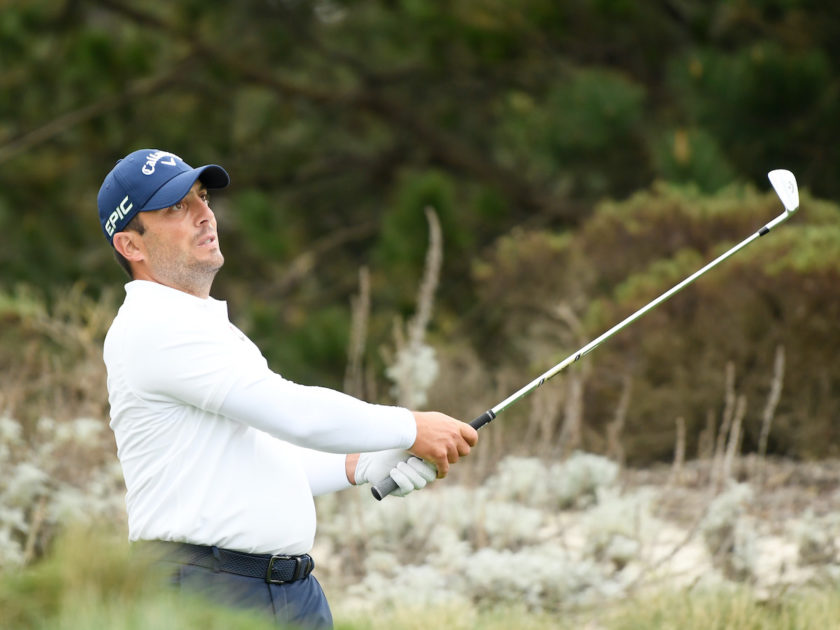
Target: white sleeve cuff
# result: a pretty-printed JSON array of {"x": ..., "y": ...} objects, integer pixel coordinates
[{"x": 326, "y": 472}]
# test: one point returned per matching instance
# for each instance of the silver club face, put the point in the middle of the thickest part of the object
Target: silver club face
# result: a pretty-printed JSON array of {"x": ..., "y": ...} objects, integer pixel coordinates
[{"x": 784, "y": 183}]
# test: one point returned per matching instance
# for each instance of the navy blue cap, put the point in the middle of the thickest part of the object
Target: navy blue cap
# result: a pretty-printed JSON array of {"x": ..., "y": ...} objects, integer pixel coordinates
[{"x": 149, "y": 179}]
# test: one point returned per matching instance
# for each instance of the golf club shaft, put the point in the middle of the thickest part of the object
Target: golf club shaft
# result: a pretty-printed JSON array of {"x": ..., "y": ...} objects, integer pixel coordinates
[{"x": 388, "y": 485}]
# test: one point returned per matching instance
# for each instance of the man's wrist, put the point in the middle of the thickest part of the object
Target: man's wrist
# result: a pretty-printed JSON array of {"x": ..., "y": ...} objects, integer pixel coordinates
[{"x": 350, "y": 463}]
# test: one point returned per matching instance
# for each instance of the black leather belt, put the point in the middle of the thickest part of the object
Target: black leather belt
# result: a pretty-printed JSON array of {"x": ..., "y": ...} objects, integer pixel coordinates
[{"x": 274, "y": 569}]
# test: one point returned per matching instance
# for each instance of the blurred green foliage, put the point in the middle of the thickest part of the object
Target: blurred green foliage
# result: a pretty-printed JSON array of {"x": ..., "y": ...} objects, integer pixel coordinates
[
  {"x": 92, "y": 580},
  {"x": 339, "y": 122},
  {"x": 778, "y": 292}
]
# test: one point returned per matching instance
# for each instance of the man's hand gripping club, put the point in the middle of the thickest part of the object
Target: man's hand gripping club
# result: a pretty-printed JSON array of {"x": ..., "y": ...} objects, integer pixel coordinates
[{"x": 441, "y": 440}]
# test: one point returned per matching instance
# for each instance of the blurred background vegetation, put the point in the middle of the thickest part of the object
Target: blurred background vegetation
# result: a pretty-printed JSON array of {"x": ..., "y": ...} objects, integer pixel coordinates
[{"x": 581, "y": 158}]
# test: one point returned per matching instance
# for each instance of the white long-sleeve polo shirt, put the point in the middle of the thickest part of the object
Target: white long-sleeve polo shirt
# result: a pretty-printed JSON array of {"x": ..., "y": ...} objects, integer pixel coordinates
[{"x": 217, "y": 449}]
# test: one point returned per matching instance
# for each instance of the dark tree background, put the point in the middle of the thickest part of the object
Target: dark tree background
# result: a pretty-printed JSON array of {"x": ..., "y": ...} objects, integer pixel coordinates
[{"x": 586, "y": 154}]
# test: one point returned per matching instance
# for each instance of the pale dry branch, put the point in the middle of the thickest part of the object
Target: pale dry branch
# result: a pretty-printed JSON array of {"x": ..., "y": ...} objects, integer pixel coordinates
[
  {"x": 733, "y": 446},
  {"x": 413, "y": 366},
  {"x": 39, "y": 514},
  {"x": 706, "y": 441},
  {"x": 360, "y": 304},
  {"x": 546, "y": 403},
  {"x": 615, "y": 450},
  {"x": 431, "y": 276},
  {"x": 679, "y": 453},
  {"x": 772, "y": 399},
  {"x": 726, "y": 423},
  {"x": 572, "y": 430}
]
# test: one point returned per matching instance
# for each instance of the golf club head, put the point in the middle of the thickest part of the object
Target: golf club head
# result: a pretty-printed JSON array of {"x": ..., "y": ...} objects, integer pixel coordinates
[{"x": 784, "y": 183}]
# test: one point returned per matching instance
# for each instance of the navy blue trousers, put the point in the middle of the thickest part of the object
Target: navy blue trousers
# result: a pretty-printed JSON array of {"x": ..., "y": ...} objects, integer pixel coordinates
[{"x": 300, "y": 604}]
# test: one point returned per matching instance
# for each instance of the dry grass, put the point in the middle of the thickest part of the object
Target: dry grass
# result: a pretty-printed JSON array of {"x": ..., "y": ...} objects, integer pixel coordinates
[
  {"x": 91, "y": 580},
  {"x": 51, "y": 355}
]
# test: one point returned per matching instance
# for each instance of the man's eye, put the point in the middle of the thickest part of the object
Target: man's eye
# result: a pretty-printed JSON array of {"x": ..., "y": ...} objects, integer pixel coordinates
[{"x": 178, "y": 206}]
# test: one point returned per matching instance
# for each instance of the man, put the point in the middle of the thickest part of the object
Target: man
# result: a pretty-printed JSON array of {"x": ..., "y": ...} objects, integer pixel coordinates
[{"x": 221, "y": 456}]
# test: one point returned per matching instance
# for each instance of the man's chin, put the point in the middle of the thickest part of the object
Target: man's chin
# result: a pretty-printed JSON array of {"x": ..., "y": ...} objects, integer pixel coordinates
[{"x": 215, "y": 262}]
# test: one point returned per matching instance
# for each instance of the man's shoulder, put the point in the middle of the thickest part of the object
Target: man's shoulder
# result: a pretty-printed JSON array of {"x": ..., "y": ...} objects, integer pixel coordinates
[{"x": 151, "y": 313}]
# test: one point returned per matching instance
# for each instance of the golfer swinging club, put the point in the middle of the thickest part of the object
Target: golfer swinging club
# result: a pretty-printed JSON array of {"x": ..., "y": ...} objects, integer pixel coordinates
[{"x": 222, "y": 456}]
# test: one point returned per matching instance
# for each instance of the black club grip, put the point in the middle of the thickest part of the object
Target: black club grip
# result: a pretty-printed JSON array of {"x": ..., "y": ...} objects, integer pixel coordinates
[{"x": 382, "y": 489}]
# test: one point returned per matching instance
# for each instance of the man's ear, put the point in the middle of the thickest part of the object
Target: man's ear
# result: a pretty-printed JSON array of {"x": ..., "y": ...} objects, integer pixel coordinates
[{"x": 128, "y": 245}]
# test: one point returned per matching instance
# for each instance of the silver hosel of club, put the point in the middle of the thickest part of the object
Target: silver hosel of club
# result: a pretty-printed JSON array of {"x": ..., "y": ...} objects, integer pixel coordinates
[{"x": 775, "y": 222}]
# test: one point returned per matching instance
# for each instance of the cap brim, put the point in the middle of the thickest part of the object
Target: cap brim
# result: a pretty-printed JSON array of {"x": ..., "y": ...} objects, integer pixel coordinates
[{"x": 212, "y": 176}]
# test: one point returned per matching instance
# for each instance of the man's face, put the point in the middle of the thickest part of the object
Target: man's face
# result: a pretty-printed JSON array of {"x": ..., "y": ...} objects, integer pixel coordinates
[{"x": 180, "y": 245}]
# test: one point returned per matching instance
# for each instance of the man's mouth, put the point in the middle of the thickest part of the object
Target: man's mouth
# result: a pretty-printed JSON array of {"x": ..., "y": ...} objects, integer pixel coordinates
[{"x": 207, "y": 240}]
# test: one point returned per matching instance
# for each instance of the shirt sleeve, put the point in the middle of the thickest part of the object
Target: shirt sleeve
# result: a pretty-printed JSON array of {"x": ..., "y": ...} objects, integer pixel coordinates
[
  {"x": 326, "y": 472},
  {"x": 317, "y": 417},
  {"x": 222, "y": 372}
]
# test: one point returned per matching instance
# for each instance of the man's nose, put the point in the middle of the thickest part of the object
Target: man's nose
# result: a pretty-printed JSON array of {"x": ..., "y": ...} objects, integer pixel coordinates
[{"x": 204, "y": 212}]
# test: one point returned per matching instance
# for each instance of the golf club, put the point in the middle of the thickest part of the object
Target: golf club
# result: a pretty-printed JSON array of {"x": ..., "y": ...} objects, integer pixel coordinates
[{"x": 783, "y": 182}]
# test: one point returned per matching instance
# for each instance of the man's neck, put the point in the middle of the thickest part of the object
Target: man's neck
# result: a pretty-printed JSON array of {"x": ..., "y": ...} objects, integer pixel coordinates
[{"x": 193, "y": 284}]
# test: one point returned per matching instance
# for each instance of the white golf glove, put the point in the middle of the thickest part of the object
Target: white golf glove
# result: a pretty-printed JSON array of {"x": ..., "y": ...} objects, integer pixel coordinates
[{"x": 409, "y": 472}]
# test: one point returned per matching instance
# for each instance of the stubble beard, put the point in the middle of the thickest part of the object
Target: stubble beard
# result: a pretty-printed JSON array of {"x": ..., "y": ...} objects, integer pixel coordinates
[{"x": 181, "y": 271}]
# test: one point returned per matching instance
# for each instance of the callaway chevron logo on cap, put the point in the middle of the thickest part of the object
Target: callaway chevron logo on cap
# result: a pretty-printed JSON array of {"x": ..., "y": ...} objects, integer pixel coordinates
[{"x": 149, "y": 179}]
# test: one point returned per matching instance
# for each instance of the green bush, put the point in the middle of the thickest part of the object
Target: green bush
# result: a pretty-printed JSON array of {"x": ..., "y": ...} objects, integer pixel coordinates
[{"x": 546, "y": 295}]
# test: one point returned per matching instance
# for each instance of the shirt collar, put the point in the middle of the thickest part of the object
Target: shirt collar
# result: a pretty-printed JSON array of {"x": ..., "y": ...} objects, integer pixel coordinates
[{"x": 148, "y": 290}]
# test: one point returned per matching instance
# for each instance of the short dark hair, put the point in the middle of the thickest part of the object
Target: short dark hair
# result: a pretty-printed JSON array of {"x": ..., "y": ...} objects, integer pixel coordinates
[{"x": 135, "y": 225}]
